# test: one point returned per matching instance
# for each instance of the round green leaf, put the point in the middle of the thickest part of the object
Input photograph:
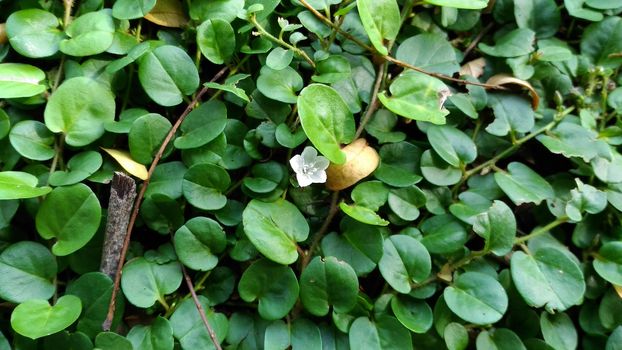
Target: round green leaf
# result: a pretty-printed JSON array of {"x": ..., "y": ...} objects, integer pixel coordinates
[
  {"x": 437, "y": 171},
  {"x": 305, "y": 335},
  {"x": 404, "y": 261},
  {"x": 332, "y": 70},
  {"x": 398, "y": 165},
  {"x": 363, "y": 214},
  {"x": 277, "y": 335},
  {"x": 71, "y": 215},
  {"x": 523, "y": 185},
  {"x": 601, "y": 39},
  {"x": 417, "y": 96},
  {"x": 274, "y": 228},
  {"x": 443, "y": 234},
  {"x": 145, "y": 282},
  {"x": 456, "y": 336},
  {"x": 27, "y": 270},
  {"x": 559, "y": 331},
  {"x": 189, "y": 329},
  {"x": 80, "y": 166},
  {"x": 89, "y": 34},
  {"x": 35, "y": 318},
  {"x": 112, "y": 341},
  {"x": 216, "y": 40},
  {"x": 429, "y": 51},
  {"x": 452, "y": 144},
  {"x": 167, "y": 179},
  {"x": 460, "y": 4},
  {"x": 370, "y": 194},
  {"x": 280, "y": 85},
  {"x": 477, "y": 298},
  {"x": 608, "y": 263},
  {"x": 414, "y": 314},
  {"x": 277, "y": 297},
  {"x": 167, "y": 74},
  {"x": 385, "y": 332},
  {"x": 17, "y": 185},
  {"x": 156, "y": 336},
  {"x": 202, "y": 125},
  {"x": 615, "y": 339},
  {"x": 198, "y": 242},
  {"x": 32, "y": 140},
  {"x": 498, "y": 227},
  {"x": 146, "y": 136},
  {"x": 360, "y": 246},
  {"x": 279, "y": 58},
  {"x": 34, "y": 33},
  {"x": 326, "y": 120},
  {"x": 548, "y": 278},
  {"x": 513, "y": 113},
  {"x": 132, "y": 9},
  {"x": 79, "y": 108},
  {"x": 204, "y": 184},
  {"x": 517, "y": 42},
  {"x": 405, "y": 202},
  {"x": 328, "y": 282},
  {"x": 381, "y": 20},
  {"x": 223, "y": 9},
  {"x": 499, "y": 339},
  {"x": 20, "y": 80}
]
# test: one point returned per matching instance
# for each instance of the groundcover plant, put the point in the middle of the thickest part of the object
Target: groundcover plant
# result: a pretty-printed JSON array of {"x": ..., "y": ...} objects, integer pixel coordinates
[{"x": 310, "y": 174}]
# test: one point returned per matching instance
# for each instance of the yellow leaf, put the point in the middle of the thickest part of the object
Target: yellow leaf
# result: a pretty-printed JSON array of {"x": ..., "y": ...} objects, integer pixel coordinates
[
  {"x": 361, "y": 160},
  {"x": 504, "y": 79},
  {"x": 618, "y": 290},
  {"x": 474, "y": 68},
  {"x": 168, "y": 13},
  {"x": 127, "y": 163}
]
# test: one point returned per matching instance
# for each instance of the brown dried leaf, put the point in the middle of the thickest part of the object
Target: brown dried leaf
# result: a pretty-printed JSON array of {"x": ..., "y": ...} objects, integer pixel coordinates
[
  {"x": 168, "y": 13},
  {"x": 618, "y": 290},
  {"x": 3, "y": 38},
  {"x": 504, "y": 79},
  {"x": 474, "y": 68},
  {"x": 361, "y": 160}
]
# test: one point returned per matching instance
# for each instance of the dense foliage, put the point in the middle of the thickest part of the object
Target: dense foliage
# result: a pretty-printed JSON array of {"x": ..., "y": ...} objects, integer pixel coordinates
[{"x": 325, "y": 174}]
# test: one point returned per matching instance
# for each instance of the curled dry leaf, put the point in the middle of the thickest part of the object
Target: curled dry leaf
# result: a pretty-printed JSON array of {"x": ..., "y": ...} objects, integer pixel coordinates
[
  {"x": 504, "y": 79},
  {"x": 131, "y": 166},
  {"x": 474, "y": 68},
  {"x": 168, "y": 13},
  {"x": 361, "y": 160}
]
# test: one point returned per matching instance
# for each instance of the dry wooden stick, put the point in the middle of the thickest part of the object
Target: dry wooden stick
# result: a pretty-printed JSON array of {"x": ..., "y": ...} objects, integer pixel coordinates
[
  {"x": 122, "y": 195},
  {"x": 117, "y": 280}
]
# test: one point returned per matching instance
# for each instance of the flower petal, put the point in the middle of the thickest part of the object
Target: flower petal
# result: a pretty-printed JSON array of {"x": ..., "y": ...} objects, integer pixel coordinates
[
  {"x": 318, "y": 176},
  {"x": 309, "y": 154},
  {"x": 297, "y": 163},
  {"x": 303, "y": 180},
  {"x": 321, "y": 163}
]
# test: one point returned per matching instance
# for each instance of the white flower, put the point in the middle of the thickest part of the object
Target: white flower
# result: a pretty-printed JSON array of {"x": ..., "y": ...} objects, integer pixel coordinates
[{"x": 309, "y": 167}]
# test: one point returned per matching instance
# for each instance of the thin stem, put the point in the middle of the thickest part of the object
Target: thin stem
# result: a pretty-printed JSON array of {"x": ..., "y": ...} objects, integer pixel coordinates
[
  {"x": 58, "y": 153},
  {"x": 373, "y": 104},
  {"x": 59, "y": 73},
  {"x": 264, "y": 32},
  {"x": 541, "y": 230},
  {"x": 68, "y": 4},
  {"x": 306, "y": 258},
  {"x": 111, "y": 306}
]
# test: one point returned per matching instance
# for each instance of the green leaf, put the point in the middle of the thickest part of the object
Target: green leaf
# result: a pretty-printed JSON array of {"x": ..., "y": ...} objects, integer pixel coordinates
[
  {"x": 156, "y": 336},
  {"x": 404, "y": 261},
  {"x": 381, "y": 127},
  {"x": 513, "y": 114},
  {"x": 222, "y": 9},
  {"x": 89, "y": 34},
  {"x": 443, "y": 234},
  {"x": 279, "y": 58},
  {"x": 216, "y": 40},
  {"x": 32, "y": 140},
  {"x": 305, "y": 335},
  {"x": 362, "y": 214},
  {"x": 517, "y": 42},
  {"x": 454, "y": 146},
  {"x": 326, "y": 120},
  {"x": 405, "y": 202},
  {"x": 602, "y": 39},
  {"x": 498, "y": 227},
  {"x": 27, "y": 270},
  {"x": 456, "y": 336},
  {"x": 416, "y": 96},
  {"x": 575, "y": 9},
  {"x": 202, "y": 125},
  {"x": 385, "y": 332},
  {"x": 499, "y": 339},
  {"x": 548, "y": 278},
  {"x": 132, "y": 9},
  {"x": 431, "y": 52},
  {"x": 71, "y": 215},
  {"x": 20, "y": 80},
  {"x": 608, "y": 262},
  {"x": 167, "y": 179},
  {"x": 615, "y": 339},
  {"x": 276, "y": 297},
  {"x": 167, "y": 74},
  {"x": 415, "y": 315},
  {"x": 17, "y": 185},
  {"x": 146, "y": 136},
  {"x": 436, "y": 171},
  {"x": 145, "y": 282},
  {"x": 559, "y": 331},
  {"x": 280, "y": 85},
  {"x": 523, "y": 185},
  {"x": 332, "y": 69},
  {"x": 327, "y": 282},
  {"x": 274, "y": 228},
  {"x": 477, "y": 298},
  {"x": 204, "y": 184},
  {"x": 35, "y": 318},
  {"x": 79, "y": 108},
  {"x": 189, "y": 328},
  {"x": 572, "y": 140},
  {"x": 585, "y": 198},
  {"x": 360, "y": 246},
  {"x": 94, "y": 290},
  {"x": 34, "y": 33},
  {"x": 112, "y": 341},
  {"x": 277, "y": 336},
  {"x": 541, "y": 16},
  {"x": 79, "y": 167},
  {"x": 198, "y": 242},
  {"x": 398, "y": 165},
  {"x": 461, "y": 4},
  {"x": 381, "y": 20},
  {"x": 288, "y": 139}
]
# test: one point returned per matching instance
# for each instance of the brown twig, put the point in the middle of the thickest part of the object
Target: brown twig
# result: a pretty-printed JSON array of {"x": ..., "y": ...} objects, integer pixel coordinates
[
  {"x": 373, "y": 103},
  {"x": 200, "y": 309},
  {"x": 476, "y": 40},
  {"x": 111, "y": 306}
]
